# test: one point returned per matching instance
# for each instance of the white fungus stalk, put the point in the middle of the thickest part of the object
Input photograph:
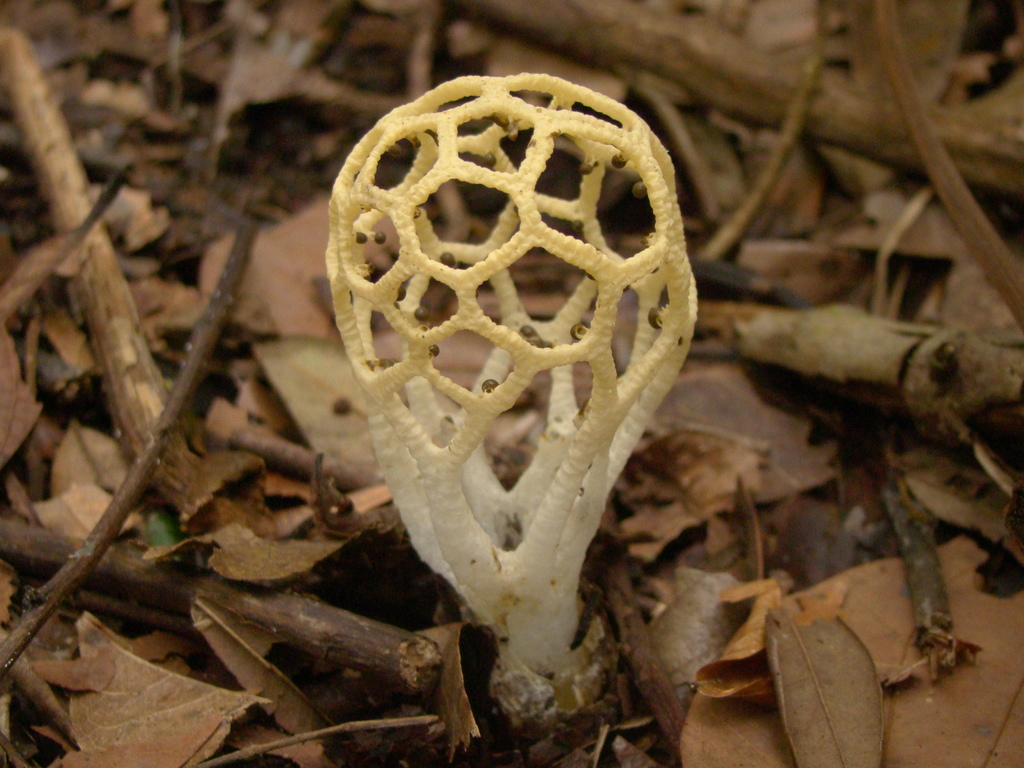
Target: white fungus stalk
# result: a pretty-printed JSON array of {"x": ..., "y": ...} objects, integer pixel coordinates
[{"x": 513, "y": 555}]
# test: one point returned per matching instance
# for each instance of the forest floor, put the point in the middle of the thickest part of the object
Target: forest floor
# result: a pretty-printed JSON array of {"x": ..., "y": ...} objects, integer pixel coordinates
[{"x": 813, "y": 555}]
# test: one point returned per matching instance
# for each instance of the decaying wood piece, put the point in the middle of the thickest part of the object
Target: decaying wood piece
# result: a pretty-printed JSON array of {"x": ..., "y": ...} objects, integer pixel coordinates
[
  {"x": 696, "y": 52},
  {"x": 400, "y": 661},
  {"x": 134, "y": 385},
  {"x": 928, "y": 597},
  {"x": 944, "y": 379}
]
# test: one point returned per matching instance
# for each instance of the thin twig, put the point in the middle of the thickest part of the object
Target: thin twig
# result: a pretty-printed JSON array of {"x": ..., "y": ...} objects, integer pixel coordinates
[
  {"x": 792, "y": 128},
  {"x": 697, "y": 167},
  {"x": 289, "y": 458},
  {"x": 925, "y": 581},
  {"x": 352, "y": 727},
  {"x": 78, "y": 567},
  {"x": 38, "y": 265},
  {"x": 908, "y": 217},
  {"x": 1000, "y": 266}
]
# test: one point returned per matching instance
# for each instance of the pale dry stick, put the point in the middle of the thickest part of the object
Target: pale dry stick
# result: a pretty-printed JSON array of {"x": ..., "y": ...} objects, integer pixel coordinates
[
  {"x": 798, "y": 109},
  {"x": 301, "y": 738},
  {"x": 133, "y": 384},
  {"x": 697, "y": 168},
  {"x": 908, "y": 217},
  {"x": 1001, "y": 267},
  {"x": 80, "y": 565}
]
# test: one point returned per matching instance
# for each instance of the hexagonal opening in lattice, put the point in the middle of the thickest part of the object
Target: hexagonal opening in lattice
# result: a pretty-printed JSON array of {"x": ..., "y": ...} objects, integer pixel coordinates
[
  {"x": 586, "y": 109},
  {"x": 562, "y": 174},
  {"x": 471, "y": 361},
  {"x": 397, "y": 160},
  {"x": 462, "y": 212},
  {"x": 426, "y": 302},
  {"x": 544, "y": 282},
  {"x": 624, "y": 212}
]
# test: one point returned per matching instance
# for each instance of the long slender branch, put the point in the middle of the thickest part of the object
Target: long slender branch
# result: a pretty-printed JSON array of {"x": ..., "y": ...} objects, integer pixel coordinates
[
  {"x": 390, "y": 658},
  {"x": 1001, "y": 267},
  {"x": 78, "y": 567},
  {"x": 352, "y": 727}
]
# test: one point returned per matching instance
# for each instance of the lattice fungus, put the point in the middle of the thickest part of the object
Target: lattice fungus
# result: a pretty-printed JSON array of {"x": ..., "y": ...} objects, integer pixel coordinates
[{"x": 535, "y": 152}]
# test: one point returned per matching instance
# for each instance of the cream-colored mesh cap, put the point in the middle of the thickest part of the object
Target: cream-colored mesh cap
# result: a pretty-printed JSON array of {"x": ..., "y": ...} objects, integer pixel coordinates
[{"x": 465, "y": 131}]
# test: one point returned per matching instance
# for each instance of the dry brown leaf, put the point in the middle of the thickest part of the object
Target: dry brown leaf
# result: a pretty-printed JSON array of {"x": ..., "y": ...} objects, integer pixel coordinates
[
  {"x": 680, "y": 480},
  {"x": 18, "y": 408},
  {"x": 223, "y": 418},
  {"x": 239, "y": 554},
  {"x": 278, "y": 293},
  {"x": 210, "y": 510},
  {"x": 452, "y": 701},
  {"x": 76, "y": 511},
  {"x": 742, "y": 669},
  {"x": 970, "y": 303},
  {"x": 629, "y": 756},
  {"x": 166, "y": 306},
  {"x": 825, "y": 603},
  {"x": 149, "y": 19},
  {"x": 128, "y": 99},
  {"x": 815, "y": 271},
  {"x": 132, "y": 714},
  {"x": 68, "y": 339},
  {"x": 242, "y": 647},
  {"x": 133, "y": 219},
  {"x": 955, "y": 492},
  {"x": 932, "y": 235},
  {"x": 968, "y": 719},
  {"x": 828, "y": 692},
  {"x": 720, "y": 399},
  {"x": 158, "y": 646},
  {"x": 87, "y": 456},
  {"x": 312, "y": 376}
]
